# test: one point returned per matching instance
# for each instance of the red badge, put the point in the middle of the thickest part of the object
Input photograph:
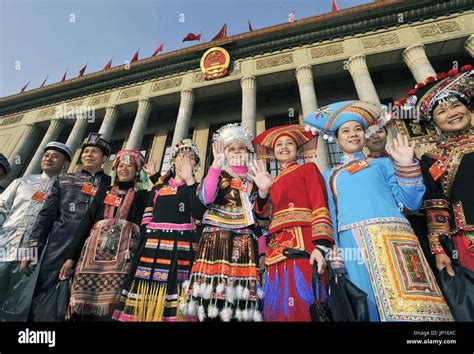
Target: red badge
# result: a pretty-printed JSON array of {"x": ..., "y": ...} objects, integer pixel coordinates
[
  {"x": 168, "y": 190},
  {"x": 237, "y": 184},
  {"x": 437, "y": 169},
  {"x": 39, "y": 196},
  {"x": 88, "y": 189},
  {"x": 113, "y": 200},
  {"x": 360, "y": 165}
]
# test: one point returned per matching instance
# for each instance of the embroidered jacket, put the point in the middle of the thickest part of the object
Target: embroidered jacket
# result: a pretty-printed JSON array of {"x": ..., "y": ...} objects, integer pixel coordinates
[{"x": 448, "y": 173}]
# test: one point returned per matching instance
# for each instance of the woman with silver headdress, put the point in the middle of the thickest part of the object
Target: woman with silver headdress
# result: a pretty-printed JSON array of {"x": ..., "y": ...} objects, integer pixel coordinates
[
  {"x": 165, "y": 256},
  {"x": 225, "y": 282}
]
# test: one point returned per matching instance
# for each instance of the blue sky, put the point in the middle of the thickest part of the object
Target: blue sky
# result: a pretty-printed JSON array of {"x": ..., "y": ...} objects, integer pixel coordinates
[{"x": 46, "y": 37}]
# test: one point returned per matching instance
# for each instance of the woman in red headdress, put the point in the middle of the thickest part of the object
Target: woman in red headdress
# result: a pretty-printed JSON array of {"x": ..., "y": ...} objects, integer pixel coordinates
[{"x": 299, "y": 219}]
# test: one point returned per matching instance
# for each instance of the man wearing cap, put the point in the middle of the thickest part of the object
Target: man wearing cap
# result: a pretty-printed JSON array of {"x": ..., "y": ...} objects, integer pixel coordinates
[
  {"x": 4, "y": 169},
  {"x": 69, "y": 199},
  {"x": 20, "y": 204}
]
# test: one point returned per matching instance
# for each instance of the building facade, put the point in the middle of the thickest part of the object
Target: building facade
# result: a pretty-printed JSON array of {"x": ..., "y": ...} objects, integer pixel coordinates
[{"x": 277, "y": 75}]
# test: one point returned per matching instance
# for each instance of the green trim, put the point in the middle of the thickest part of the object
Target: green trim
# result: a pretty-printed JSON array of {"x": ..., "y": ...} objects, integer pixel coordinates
[{"x": 334, "y": 27}]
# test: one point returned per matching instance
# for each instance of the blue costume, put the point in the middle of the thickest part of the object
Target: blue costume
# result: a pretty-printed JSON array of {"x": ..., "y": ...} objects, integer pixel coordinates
[{"x": 381, "y": 253}]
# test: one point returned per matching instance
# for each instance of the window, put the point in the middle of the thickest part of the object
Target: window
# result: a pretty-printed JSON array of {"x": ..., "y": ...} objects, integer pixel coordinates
[
  {"x": 147, "y": 144},
  {"x": 275, "y": 120},
  {"x": 165, "y": 161},
  {"x": 335, "y": 153},
  {"x": 116, "y": 145}
]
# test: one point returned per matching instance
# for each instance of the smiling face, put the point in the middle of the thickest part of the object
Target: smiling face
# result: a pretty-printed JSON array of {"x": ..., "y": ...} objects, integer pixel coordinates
[
  {"x": 351, "y": 137},
  {"x": 92, "y": 158},
  {"x": 285, "y": 150},
  {"x": 52, "y": 162},
  {"x": 452, "y": 117},
  {"x": 126, "y": 172},
  {"x": 236, "y": 154},
  {"x": 376, "y": 143}
]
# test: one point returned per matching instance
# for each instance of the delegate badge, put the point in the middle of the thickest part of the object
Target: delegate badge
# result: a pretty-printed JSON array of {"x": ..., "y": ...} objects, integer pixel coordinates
[
  {"x": 113, "y": 200},
  {"x": 39, "y": 196},
  {"x": 358, "y": 166},
  {"x": 88, "y": 189}
]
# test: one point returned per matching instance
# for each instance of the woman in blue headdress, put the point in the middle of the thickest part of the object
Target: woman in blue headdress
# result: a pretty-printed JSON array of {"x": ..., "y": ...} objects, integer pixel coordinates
[{"x": 366, "y": 197}]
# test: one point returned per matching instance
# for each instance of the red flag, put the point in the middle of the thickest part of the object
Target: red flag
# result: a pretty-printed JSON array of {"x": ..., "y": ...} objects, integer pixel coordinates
[
  {"x": 44, "y": 81},
  {"x": 222, "y": 33},
  {"x": 334, "y": 6},
  {"x": 250, "y": 27},
  {"x": 135, "y": 56},
  {"x": 192, "y": 37},
  {"x": 24, "y": 87},
  {"x": 81, "y": 72},
  {"x": 159, "y": 49},
  {"x": 64, "y": 76},
  {"x": 108, "y": 65}
]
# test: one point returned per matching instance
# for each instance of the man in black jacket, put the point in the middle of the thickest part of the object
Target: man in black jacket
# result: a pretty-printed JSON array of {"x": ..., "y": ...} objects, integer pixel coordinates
[{"x": 65, "y": 206}]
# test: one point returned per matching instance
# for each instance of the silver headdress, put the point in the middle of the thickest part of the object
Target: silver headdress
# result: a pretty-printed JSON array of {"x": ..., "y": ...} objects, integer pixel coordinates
[{"x": 234, "y": 133}]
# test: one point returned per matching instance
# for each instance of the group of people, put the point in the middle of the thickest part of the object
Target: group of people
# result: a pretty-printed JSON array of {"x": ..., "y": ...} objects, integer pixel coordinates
[{"x": 218, "y": 250}]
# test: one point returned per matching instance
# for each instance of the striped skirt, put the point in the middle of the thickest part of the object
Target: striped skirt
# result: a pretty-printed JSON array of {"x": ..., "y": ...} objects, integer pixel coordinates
[{"x": 154, "y": 290}]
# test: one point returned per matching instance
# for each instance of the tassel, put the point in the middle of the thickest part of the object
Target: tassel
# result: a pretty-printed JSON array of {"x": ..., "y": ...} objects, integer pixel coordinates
[
  {"x": 302, "y": 288},
  {"x": 196, "y": 289},
  {"x": 285, "y": 291},
  {"x": 201, "y": 313},
  {"x": 220, "y": 288},
  {"x": 186, "y": 285},
  {"x": 226, "y": 314},
  {"x": 238, "y": 291},
  {"x": 230, "y": 294},
  {"x": 246, "y": 293},
  {"x": 257, "y": 316},
  {"x": 212, "y": 311},
  {"x": 192, "y": 307},
  {"x": 246, "y": 315},
  {"x": 238, "y": 314},
  {"x": 208, "y": 291},
  {"x": 202, "y": 289},
  {"x": 277, "y": 289}
]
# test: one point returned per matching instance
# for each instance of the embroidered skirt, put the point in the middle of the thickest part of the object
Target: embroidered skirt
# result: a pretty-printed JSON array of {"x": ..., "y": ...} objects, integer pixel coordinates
[
  {"x": 385, "y": 260},
  {"x": 164, "y": 262},
  {"x": 288, "y": 288},
  {"x": 103, "y": 267},
  {"x": 224, "y": 282}
]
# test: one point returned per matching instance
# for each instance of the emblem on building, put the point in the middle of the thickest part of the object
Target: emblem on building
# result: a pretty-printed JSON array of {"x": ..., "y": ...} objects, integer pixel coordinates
[{"x": 215, "y": 62}]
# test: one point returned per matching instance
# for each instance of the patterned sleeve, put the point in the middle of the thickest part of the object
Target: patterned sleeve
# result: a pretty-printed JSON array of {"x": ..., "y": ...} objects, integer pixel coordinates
[
  {"x": 406, "y": 183},
  {"x": 436, "y": 207},
  {"x": 321, "y": 225},
  {"x": 148, "y": 212}
]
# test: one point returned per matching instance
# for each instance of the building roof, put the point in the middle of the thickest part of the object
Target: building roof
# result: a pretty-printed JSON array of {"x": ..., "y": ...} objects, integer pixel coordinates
[{"x": 368, "y": 17}]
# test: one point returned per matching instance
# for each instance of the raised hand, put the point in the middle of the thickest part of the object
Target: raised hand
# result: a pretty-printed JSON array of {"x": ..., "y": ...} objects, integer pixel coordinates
[
  {"x": 401, "y": 150},
  {"x": 262, "y": 178},
  {"x": 184, "y": 169},
  {"x": 218, "y": 152},
  {"x": 150, "y": 167}
]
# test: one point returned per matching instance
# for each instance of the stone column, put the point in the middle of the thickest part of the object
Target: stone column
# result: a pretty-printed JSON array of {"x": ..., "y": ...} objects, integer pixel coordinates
[
  {"x": 309, "y": 103},
  {"x": 181, "y": 128},
  {"x": 362, "y": 80},
  {"x": 139, "y": 125},
  {"x": 77, "y": 133},
  {"x": 55, "y": 127},
  {"x": 21, "y": 152},
  {"x": 249, "y": 103},
  {"x": 469, "y": 45},
  {"x": 108, "y": 124},
  {"x": 415, "y": 58}
]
